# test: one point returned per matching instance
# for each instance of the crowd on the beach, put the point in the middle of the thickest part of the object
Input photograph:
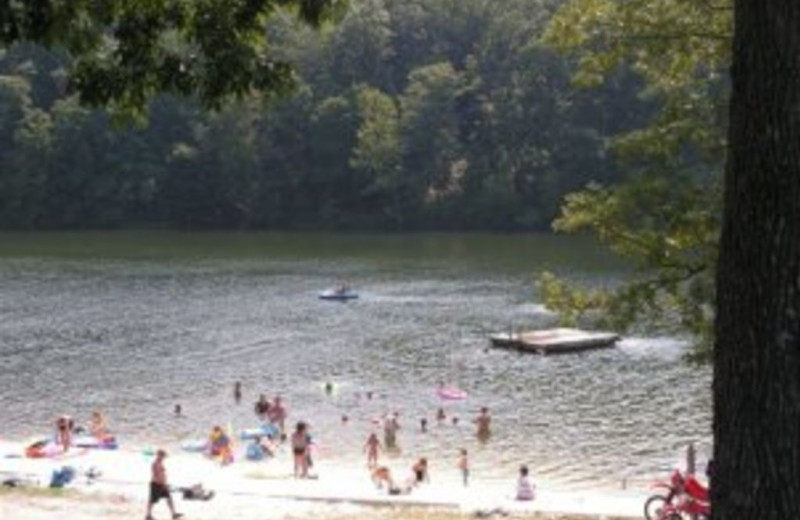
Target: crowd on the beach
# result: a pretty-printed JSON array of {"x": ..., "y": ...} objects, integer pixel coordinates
[{"x": 266, "y": 441}]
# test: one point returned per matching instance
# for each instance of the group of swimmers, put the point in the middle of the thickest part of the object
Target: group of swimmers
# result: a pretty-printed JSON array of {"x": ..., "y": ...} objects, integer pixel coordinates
[{"x": 275, "y": 413}]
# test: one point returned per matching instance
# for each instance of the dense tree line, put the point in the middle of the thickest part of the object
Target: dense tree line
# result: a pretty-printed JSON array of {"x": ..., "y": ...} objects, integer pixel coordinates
[{"x": 422, "y": 114}]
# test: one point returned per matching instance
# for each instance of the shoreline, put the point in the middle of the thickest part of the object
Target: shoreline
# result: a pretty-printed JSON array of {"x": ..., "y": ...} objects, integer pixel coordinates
[
  {"x": 21, "y": 504},
  {"x": 268, "y": 491}
]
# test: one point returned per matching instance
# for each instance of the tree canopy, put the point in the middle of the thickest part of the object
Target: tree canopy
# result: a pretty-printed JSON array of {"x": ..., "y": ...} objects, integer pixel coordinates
[
  {"x": 422, "y": 114},
  {"x": 664, "y": 213},
  {"x": 126, "y": 51}
]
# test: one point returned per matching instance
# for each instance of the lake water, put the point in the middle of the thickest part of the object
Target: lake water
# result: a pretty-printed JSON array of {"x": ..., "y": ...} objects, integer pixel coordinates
[{"x": 133, "y": 323}]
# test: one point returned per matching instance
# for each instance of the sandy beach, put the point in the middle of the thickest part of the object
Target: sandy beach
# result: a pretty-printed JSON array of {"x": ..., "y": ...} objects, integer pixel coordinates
[{"x": 267, "y": 491}]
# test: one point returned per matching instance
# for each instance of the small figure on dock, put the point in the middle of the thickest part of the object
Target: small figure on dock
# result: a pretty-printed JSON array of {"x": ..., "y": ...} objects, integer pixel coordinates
[
  {"x": 372, "y": 448},
  {"x": 524, "y": 485},
  {"x": 483, "y": 421},
  {"x": 463, "y": 466},
  {"x": 237, "y": 392}
]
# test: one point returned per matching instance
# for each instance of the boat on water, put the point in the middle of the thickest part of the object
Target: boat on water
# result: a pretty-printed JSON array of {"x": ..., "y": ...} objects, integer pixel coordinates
[
  {"x": 554, "y": 341},
  {"x": 338, "y": 294}
]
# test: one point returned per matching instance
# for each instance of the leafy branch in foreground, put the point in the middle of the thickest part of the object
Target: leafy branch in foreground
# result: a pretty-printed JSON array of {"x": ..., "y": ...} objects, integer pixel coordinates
[
  {"x": 664, "y": 217},
  {"x": 125, "y": 51},
  {"x": 668, "y": 229}
]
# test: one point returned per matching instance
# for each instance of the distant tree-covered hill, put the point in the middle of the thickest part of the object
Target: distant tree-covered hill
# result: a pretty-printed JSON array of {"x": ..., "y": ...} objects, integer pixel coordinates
[{"x": 421, "y": 114}]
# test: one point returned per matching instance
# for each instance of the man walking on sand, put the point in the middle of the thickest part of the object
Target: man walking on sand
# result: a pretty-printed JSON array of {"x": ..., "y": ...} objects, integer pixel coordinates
[{"x": 159, "y": 488}]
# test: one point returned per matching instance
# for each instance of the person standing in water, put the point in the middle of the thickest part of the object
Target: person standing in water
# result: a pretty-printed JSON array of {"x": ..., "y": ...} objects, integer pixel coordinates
[
  {"x": 390, "y": 427},
  {"x": 277, "y": 413},
  {"x": 372, "y": 447},
  {"x": 463, "y": 465},
  {"x": 159, "y": 488},
  {"x": 483, "y": 421},
  {"x": 262, "y": 407},
  {"x": 97, "y": 426},
  {"x": 237, "y": 392},
  {"x": 64, "y": 427}
]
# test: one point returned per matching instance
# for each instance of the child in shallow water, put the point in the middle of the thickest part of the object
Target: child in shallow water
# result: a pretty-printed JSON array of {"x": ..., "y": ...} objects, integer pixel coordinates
[
  {"x": 372, "y": 447},
  {"x": 463, "y": 466}
]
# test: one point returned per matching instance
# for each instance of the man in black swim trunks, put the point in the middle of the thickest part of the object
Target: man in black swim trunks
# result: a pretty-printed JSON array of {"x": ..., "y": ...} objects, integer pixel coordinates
[{"x": 159, "y": 488}]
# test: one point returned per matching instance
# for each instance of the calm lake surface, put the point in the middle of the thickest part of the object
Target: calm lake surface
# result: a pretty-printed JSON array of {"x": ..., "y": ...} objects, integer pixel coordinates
[{"x": 133, "y": 323}]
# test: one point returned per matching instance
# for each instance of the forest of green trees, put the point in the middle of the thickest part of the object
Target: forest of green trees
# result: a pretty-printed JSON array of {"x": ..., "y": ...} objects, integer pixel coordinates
[{"x": 420, "y": 114}]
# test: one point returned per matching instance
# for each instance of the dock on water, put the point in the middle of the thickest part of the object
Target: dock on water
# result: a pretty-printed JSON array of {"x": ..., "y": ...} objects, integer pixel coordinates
[{"x": 554, "y": 341}]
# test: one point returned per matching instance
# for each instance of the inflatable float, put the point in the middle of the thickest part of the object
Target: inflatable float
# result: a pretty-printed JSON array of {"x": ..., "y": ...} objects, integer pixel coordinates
[
  {"x": 43, "y": 448},
  {"x": 450, "y": 393},
  {"x": 265, "y": 430},
  {"x": 108, "y": 442},
  {"x": 47, "y": 448},
  {"x": 195, "y": 445}
]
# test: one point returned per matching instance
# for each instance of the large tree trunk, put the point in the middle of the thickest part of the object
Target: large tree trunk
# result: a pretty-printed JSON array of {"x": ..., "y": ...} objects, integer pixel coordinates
[{"x": 757, "y": 354}]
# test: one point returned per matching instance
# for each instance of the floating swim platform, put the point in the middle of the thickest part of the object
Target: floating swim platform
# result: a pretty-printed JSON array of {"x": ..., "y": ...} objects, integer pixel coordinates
[{"x": 554, "y": 341}]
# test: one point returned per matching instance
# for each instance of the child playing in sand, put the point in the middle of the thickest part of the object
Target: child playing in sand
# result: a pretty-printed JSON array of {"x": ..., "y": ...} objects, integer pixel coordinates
[
  {"x": 372, "y": 447},
  {"x": 381, "y": 475},
  {"x": 524, "y": 485}
]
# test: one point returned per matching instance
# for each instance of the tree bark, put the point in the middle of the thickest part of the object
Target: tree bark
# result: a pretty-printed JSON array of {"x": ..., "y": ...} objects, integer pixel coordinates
[{"x": 757, "y": 351}]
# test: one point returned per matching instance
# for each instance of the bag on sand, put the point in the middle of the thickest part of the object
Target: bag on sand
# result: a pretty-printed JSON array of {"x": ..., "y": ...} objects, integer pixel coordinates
[
  {"x": 196, "y": 492},
  {"x": 62, "y": 477}
]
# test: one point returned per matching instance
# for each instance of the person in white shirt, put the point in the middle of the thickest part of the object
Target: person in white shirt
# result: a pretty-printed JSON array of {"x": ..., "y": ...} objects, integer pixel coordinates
[{"x": 524, "y": 485}]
